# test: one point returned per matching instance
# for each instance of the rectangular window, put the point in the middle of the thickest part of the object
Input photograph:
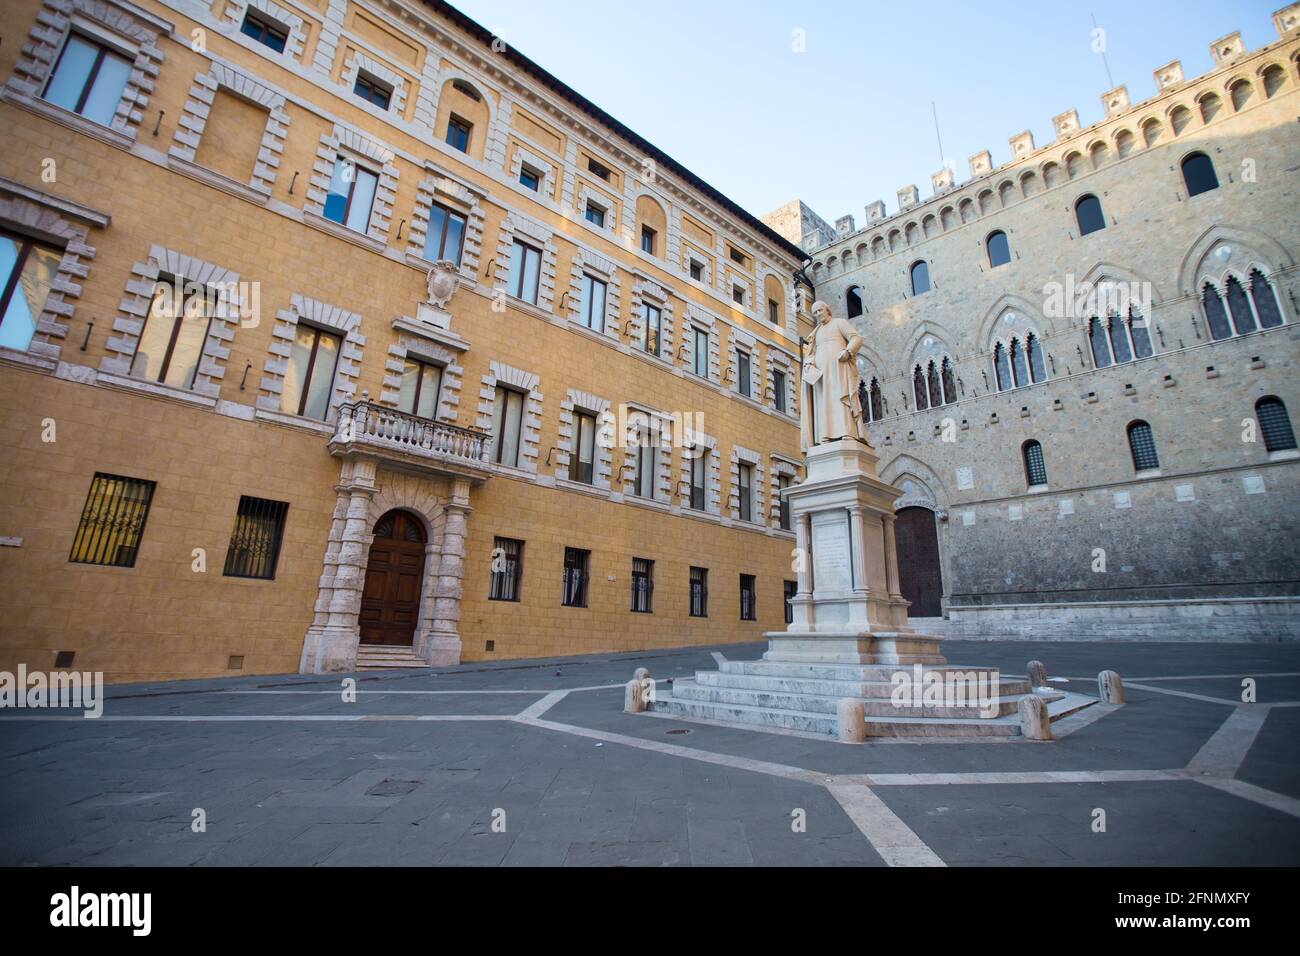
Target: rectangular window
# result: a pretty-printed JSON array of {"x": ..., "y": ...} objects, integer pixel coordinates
[
  {"x": 458, "y": 131},
  {"x": 352, "y": 195},
  {"x": 27, "y": 271},
  {"x": 507, "y": 426},
  {"x": 597, "y": 169},
  {"x": 736, "y": 255},
  {"x": 309, "y": 377},
  {"x": 743, "y": 373},
  {"x": 701, "y": 356},
  {"x": 643, "y": 585},
  {"x": 778, "y": 390},
  {"x": 530, "y": 179},
  {"x": 593, "y": 303},
  {"x": 790, "y": 589},
  {"x": 645, "y": 466},
  {"x": 264, "y": 32},
  {"x": 647, "y": 240},
  {"x": 697, "y": 271},
  {"x": 88, "y": 78},
  {"x": 783, "y": 482},
  {"x": 112, "y": 521},
  {"x": 745, "y": 491},
  {"x": 773, "y": 312},
  {"x": 372, "y": 90},
  {"x": 420, "y": 389},
  {"x": 699, "y": 592},
  {"x": 507, "y": 569},
  {"x": 255, "y": 540},
  {"x": 699, "y": 468},
  {"x": 748, "y": 599},
  {"x": 738, "y": 294},
  {"x": 446, "y": 236},
  {"x": 171, "y": 342},
  {"x": 575, "y": 577},
  {"x": 525, "y": 271},
  {"x": 651, "y": 320},
  {"x": 583, "y": 457},
  {"x": 595, "y": 214}
]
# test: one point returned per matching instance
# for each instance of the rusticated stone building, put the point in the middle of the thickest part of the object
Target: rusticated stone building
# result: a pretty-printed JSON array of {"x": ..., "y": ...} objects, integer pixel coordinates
[
  {"x": 1081, "y": 365},
  {"x": 338, "y": 332}
]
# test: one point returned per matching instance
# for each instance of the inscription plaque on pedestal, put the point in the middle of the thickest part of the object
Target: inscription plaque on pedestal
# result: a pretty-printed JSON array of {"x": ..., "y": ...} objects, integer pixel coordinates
[{"x": 832, "y": 563}]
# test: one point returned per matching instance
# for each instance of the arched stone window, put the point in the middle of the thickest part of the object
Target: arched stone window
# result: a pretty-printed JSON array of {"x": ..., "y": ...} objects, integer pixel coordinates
[
  {"x": 920, "y": 273},
  {"x": 934, "y": 385},
  {"x": 1097, "y": 339},
  {"x": 1216, "y": 316},
  {"x": 1198, "y": 174},
  {"x": 1019, "y": 364},
  {"x": 920, "y": 390},
  {"x": 1237, "y": 291},
  {"x": 1037, "y": 368},
  {"x": 1035, "y": 467},
  {"x": 949, "y": 381},
  {"x": 1123, "y": 143},
  {"x": 872, "y": 404},
  {"x": 1274, "y": 424},
  {"x": 1263, "y": 295},
  {"x": 1142, "y": 445},
  {"x": 1209, "y": 104},
  {"x": 999, "y": 250},
  {"x": 1151, "y": 132},
  {"x": 1120, "y": 349},
  {"x": 1087, "y": 212},
  {"x": 1001, "y": 367},
  {"x": 853, "y": 301},
  {"x": 1243, "y": 316},
  {"x": 1273, "y": 76},
  {"x": 1241, "y": 93},
  {"x": 1139, "y": 333}
]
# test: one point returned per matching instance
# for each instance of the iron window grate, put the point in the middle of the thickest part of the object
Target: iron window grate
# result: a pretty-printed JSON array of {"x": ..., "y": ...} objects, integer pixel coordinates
[{"x": 112, "y": 521}]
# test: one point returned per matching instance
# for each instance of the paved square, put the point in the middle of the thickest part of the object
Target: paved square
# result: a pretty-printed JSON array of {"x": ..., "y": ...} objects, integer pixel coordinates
[{"x": 534, "y": 763}]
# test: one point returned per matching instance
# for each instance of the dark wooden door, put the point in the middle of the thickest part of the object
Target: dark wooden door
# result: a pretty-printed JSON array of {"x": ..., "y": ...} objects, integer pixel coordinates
[
  {"x": 390, "y": 602},
  {"x": 919, "y": 577}
]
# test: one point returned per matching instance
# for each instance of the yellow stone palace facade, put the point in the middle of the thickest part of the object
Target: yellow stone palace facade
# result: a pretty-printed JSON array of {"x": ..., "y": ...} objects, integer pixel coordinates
[{"x": 338, "y": 332}]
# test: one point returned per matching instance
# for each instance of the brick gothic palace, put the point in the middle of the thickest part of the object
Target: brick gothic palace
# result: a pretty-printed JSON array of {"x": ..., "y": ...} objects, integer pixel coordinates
[{"x": 339, "y": 333}]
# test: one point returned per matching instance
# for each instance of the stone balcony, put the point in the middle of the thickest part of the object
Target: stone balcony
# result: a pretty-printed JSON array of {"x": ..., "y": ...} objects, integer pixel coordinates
[{"x": 409, "y": 443}]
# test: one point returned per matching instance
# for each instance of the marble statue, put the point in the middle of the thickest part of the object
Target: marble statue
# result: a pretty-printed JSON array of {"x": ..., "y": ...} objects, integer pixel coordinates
[{"x": 832, "y": 405}]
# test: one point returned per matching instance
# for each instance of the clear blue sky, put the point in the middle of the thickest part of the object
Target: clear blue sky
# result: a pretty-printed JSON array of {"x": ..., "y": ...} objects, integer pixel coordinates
[{"x": 715, "y": 84}]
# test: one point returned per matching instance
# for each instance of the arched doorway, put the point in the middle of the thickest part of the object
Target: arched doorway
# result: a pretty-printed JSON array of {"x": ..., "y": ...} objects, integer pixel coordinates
[
  {"x": 919, "y": 577},
  {"x": 390, "y": 602}
]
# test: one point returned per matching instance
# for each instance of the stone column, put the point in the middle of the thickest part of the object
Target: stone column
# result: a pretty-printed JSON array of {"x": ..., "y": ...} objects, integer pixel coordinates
[
  {"x": 803, "y": 539},
  {"x": 440, "y": 642},
  {"x": 859, "y": 545},
  {"x": 331, "y": 641},
  {"x": 896, "y": 599}
]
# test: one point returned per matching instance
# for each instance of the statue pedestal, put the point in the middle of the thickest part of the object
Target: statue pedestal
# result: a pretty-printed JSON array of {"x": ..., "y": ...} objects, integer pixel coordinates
[{"x": 848, "y": 609}]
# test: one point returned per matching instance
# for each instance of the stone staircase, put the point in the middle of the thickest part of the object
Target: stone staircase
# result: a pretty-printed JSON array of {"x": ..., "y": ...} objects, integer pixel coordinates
[
  {"x": 806, "y": 696},
  {"x": 372, "y": 657}
]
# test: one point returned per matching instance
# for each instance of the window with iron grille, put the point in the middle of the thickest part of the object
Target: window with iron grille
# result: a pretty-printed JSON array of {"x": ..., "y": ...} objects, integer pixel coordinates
[
  {"x": 507, "y": 569},
  {"x": 1035, "y": 467},
  {"x": 699, "y": 592},
  {"x": 112, "y": 521},
  {"x": 643, "y": 584},
  {"x": 790, "y": 589},
  {"x": 1274, "y": 424},
  {"x": 1143, "y": 446},
  {"x": 575, "y": 577},
  {"x": 748, "y": 598},
  {"x": 255, "y": 540}
]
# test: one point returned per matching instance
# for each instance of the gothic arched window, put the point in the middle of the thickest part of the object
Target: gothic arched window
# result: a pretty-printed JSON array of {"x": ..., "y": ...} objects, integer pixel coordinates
[
  {"x": 1037, "y": 370},
  {"x": 1265, "y": 299},
  {"x": 1239, "y": 305},
  {"x": 999, "y": 249},
  {"x": 853, "y": 301},
  {"x": 1019, "y": 370},
  {"x": 949, "y": 382},
  {"x": 919, "y": 388},
  {"x": 920, "y": 277},
  {"x": 873, "y": 401},
  {"x": 1097, "y": 339},
  {"x": 1137, "y": 327},
  {"x": 1198, "y": 174},
  {"x": 1216, "y": 316},
  {"x": 1001, "y": 367},
  {"x": 1087, "y": 212},
  {"x": 932, "y": 381},
  {"x": 1119, "y": 346}
]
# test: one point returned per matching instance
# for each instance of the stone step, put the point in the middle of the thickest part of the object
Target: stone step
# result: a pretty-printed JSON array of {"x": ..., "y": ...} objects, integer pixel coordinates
[
  {"x": 858, "y": 672},
  {"x": 826, "y": 687},
  {"x": 380, "y": 656},
  {"x": 816, "y": 704}
]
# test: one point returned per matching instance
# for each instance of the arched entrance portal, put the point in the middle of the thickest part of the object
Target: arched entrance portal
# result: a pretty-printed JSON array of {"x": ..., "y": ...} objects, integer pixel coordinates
[
  {"x": 390, "y": 602},
  {"x": 919, "y": 576}
]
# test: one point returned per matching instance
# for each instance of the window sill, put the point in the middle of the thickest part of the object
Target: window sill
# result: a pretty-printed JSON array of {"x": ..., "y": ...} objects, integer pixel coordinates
[
  {"x": 293, "y": 421},
  {"x": 27, "y": 360},
  {"x": 339, "y": 231},
  {"x": 156, "y": 389},
  {"x": 596, "y": 491},
  {"x": 1285, "y": 454},
  {"x": 1036, "y": 489},
  {"x": 74, "y": 121},
  {"x": 210, "y": 177},
  {"x": 1148, "y": 473}
]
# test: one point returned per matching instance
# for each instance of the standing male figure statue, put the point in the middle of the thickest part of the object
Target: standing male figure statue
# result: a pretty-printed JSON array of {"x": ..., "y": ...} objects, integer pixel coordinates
[{"x": 832, "y": 407}]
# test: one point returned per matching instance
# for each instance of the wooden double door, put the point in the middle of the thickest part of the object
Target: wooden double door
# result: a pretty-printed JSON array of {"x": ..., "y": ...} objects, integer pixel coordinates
[
  {"x": 390, "y": 601},
  {"x": 919, "y": 576}
]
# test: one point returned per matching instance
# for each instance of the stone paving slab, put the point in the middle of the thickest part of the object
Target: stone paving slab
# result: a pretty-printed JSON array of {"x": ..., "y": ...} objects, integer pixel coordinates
[{"x": 586, "y": 785}]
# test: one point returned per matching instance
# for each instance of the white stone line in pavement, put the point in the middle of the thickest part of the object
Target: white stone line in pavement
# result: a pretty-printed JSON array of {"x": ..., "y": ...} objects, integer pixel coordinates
[
  {"x": 894, "y": 840},
  {"x": 1227, "y": 747},
  {"x": 1248, "y": 791},
  {"x": 336, "y": 693},
  {"x": 1219, "y": 676},
  {"x": 251, "y": 718},
  {"x": 539, "y": 707},
  {"x": 1182, "y": 693},
  {"x": 1010, "y": 777},
  {"x": 1079, "y": 719}
]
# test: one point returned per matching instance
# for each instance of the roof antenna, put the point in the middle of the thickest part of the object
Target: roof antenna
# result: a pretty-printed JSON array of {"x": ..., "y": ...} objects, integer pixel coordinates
[
  {"x": 937, "y": 137},
  {"x": 1099, "y": 46}
]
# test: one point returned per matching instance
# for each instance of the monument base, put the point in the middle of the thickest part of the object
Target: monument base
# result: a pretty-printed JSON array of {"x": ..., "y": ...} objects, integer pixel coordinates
[{"x": 854, "y": 647}]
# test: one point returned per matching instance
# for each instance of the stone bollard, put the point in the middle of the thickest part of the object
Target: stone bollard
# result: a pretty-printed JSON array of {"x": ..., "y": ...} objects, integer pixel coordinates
[
  {"x": 1034, "y": 722},
  {"x": 1037, "y": 674},
  {"x": 638, "y": 692},
  {"x": 852, "y": 721},
  {"x": 1110, "y": 686}
]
